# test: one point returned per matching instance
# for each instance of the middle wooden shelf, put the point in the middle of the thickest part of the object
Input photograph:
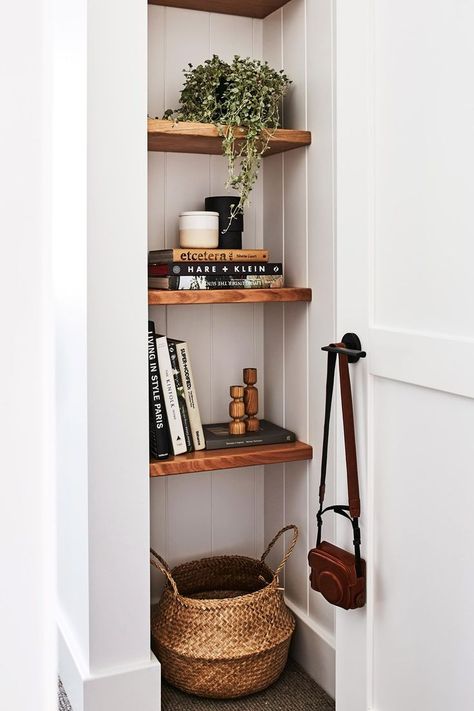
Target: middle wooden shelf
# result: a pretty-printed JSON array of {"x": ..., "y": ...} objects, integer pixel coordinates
[
  {"x": 230, "y": 458},
  {"x": 227, "y": 296}
]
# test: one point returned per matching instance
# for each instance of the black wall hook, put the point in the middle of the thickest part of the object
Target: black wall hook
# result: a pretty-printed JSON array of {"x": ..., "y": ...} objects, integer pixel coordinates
[{"x": 353, "y": 347}]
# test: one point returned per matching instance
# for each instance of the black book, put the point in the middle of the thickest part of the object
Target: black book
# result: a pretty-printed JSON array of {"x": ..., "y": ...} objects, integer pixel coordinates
[
  {"x": 218, "y": 437},
  {"x": 235, "y": 269},
  {"x": 183, "y": 408},
  {"x": 159, "y": 432}
]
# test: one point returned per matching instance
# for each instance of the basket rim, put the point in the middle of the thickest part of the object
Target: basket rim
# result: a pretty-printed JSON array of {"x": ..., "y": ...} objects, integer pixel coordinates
[
  {"x": 213, "y": 603},
  {"x": 203, "y": 561}
]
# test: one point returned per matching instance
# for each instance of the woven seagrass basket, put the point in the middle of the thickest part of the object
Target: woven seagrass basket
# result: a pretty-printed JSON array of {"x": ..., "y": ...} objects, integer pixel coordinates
[{"x": 222, "y": 629}]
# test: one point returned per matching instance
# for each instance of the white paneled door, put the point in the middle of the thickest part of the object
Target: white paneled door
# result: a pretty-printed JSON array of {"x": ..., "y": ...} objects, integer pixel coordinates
[{"x": 405, "y": 248}]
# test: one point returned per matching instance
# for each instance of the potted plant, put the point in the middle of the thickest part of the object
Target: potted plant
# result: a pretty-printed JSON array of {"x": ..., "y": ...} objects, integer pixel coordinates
[{"x": 246, "y": 93}]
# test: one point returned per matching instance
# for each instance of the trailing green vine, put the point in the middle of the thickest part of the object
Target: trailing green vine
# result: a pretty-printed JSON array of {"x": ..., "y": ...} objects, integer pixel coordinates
[{"x": 246, "y": 93}]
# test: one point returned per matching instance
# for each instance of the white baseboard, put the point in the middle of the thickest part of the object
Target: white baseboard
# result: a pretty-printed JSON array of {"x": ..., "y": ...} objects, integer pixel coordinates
[
  {"x": 314, "y": 649},
  {"x": 124, "y": 689}
]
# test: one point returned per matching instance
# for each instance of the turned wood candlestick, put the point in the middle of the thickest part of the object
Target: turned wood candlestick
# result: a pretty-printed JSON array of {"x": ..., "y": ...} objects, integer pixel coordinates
[
  {"x": 237, "y": 410},
  {"x": 252, "y": 424}
]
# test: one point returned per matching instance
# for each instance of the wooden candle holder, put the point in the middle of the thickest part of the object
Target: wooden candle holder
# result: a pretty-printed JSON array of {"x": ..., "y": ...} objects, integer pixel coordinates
[
  {"x": 237, "y": 410},
  {"x": 252, "y": 424}
]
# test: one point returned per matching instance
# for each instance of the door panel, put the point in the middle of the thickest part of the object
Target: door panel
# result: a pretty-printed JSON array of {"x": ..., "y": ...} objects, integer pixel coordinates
[
  {"x": 405, "y": 149},
  {"x": 423, "y": 627}
]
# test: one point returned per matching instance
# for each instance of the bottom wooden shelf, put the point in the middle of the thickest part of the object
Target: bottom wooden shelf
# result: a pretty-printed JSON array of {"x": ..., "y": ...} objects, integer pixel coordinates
[{"x": 210, "y": 460}]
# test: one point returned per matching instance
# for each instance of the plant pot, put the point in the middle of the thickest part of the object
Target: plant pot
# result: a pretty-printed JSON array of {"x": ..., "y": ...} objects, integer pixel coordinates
[{"x": 230, "y": 236}]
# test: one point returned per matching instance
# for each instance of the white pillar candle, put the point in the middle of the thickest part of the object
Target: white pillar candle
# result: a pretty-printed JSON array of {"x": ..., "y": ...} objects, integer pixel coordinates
[{"x": 199, "y": 230}]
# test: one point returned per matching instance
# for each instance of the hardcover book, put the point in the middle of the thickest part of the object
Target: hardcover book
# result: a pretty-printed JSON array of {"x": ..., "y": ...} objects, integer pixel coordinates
[
  {"x": 159, "y": 433},
  {"x": 170, "y": 396},
  {"x": 190, "y": 394},
  {"x": 252, "y": 281},
  {"x": 207, "y": 255},
  {"x": 218, "y": 437},
  {"x": 183, "y": 410},
  {"x": 239, "y": 269}
]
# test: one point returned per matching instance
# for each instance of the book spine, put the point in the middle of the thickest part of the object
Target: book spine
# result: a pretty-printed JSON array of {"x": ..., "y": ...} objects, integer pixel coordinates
[
  {"x": 159, "y": 433},
  {"x": 208, "y": 255},
  {"x": 178, "y": 283},
  {"x": 239, "y": 269},
  {"x": 183, "y": 409},
  {"x": 234, "y": 441},
  {"x": 170, "y": 396},
  {"x": 190, "y": 394}
]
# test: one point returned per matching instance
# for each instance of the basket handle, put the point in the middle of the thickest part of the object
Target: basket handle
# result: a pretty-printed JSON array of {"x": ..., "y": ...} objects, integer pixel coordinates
[
  {"x": 164, "y": 568},
  {"x": 288, "y": 552}
]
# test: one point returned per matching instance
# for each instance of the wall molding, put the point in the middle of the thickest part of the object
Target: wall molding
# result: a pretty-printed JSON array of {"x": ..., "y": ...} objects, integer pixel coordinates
[
  {"x": 124, "y": 689},
  {"x": 314, "y": 648},
  {"x": 430, "y": 360}
]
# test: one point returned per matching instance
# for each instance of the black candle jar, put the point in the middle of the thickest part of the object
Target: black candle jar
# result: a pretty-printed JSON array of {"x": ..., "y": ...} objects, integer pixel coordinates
[{"x": 230, "y": 235}]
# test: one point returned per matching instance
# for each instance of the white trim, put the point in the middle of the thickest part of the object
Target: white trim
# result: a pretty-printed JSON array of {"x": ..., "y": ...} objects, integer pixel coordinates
[
  {"x": 313, "y": 647},
  {"x": 124, "y": 689},
  {"x": 325, "y": 635}
]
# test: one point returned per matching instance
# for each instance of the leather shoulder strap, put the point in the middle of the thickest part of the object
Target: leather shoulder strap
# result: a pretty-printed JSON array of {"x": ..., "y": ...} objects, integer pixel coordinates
[
  {"x": 349, "y": 436},
  {"x": 327, "y": 418}
]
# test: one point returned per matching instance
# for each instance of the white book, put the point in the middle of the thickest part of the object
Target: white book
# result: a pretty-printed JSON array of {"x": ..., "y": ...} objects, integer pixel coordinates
[
  {"x": 190, "y": 395},
  {"x": 170, "y": 396}
]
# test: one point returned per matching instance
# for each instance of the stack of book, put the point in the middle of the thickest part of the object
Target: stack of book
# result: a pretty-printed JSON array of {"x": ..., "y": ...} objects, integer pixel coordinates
[
  {"x": 177, "y": 269},
  {"x": 175, "y": 422}
]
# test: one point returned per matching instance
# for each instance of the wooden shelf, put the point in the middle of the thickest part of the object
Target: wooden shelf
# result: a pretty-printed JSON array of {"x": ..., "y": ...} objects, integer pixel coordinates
[
  {"x": 210, "y": 460},
  {"x": 246, "y": 8},
  {"x": 190, "y": 137},
  {"x": 228, "y": 296}
]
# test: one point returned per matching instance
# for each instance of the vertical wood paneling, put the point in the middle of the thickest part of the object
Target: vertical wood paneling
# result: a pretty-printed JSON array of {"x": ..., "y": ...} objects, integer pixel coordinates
[
  {"x": 156, "y": 200},
  {"x": 186, "y": 185},
  {"x": 296, "y": 319},
  {"x": 233, "y": 350},
  {"x": 240, "y": 510},
  {"x": 231, "y": 35},
  {"x": 221, "y": 511},
  {"x": 156, "y": 60},
  {"x": 321, "y": 267},
  {"x": 187, "y": 40},
  {"x": 189, "y": 511},
  {"x": 233, "y": 515},
  {"x": 273, "y": 211},
  {"x": 294, "y": 62}
]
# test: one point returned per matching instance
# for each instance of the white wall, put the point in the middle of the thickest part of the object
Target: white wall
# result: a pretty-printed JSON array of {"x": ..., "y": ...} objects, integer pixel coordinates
[
  {"x": 99, "y": 207},
  {"x": 27, "y": 519}
]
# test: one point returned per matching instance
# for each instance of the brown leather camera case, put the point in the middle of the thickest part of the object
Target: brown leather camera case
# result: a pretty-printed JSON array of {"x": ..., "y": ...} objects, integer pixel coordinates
[{"x": 333, "y": 574}]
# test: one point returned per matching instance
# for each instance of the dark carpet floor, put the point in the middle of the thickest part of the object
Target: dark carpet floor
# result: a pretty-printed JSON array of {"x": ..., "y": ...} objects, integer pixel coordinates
[{"x": 294, "y": 691}]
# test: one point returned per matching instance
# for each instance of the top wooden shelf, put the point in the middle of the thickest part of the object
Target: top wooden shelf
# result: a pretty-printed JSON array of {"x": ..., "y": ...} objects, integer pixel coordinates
[
  {"x": 246, "y": 8},
  {"x": 191, "y": 137}
]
